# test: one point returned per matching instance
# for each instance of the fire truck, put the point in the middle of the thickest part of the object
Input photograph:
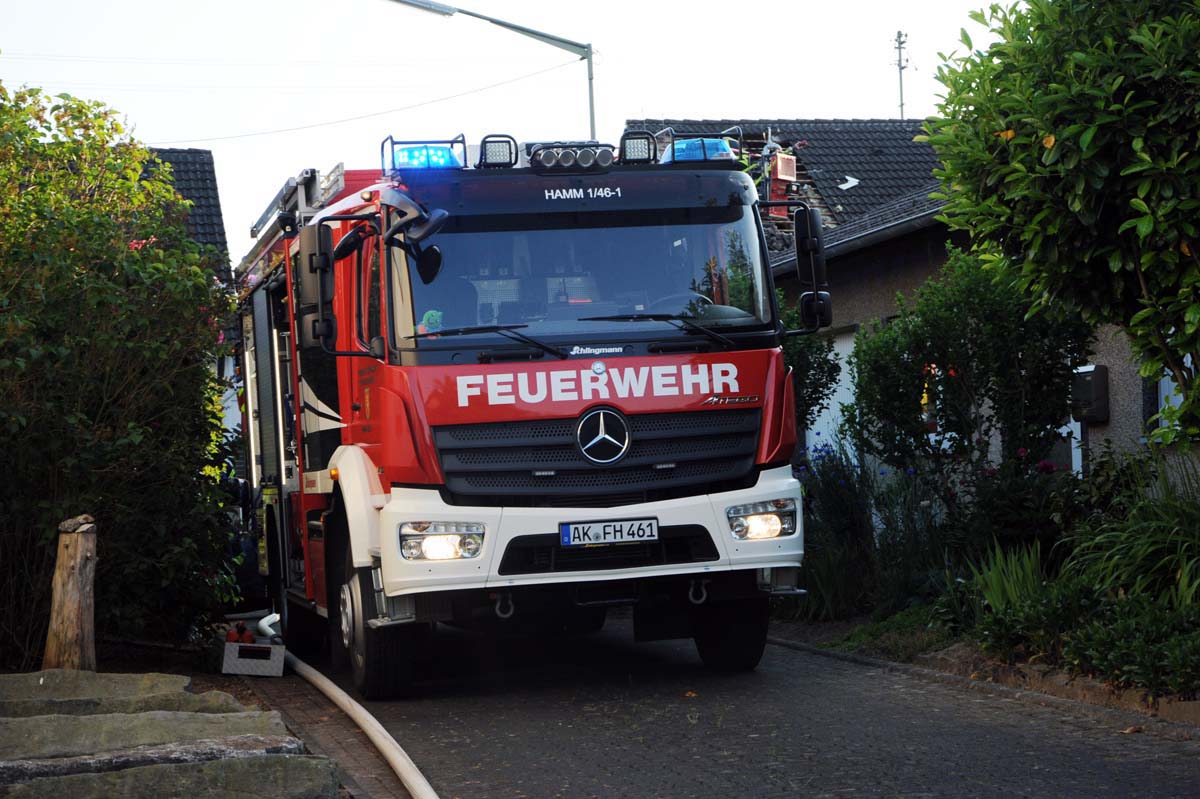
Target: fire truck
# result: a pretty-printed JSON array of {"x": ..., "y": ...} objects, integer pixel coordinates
[{"x": 518, "y": 385}]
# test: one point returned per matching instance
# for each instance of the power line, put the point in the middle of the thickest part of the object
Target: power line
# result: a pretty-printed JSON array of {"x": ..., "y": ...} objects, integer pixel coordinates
[{"x": 366, "y": 116}]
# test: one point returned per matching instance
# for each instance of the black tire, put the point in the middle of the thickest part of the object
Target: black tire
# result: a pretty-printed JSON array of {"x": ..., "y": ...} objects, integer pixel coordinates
[
  {"x": 337, "y": 559},
  {"x": 382, "y": 659},
  {"x": 730, "y": 636}
]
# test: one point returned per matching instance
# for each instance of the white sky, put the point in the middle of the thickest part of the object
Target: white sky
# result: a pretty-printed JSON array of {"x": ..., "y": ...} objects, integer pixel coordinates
[{"x": 188, "y": 74}]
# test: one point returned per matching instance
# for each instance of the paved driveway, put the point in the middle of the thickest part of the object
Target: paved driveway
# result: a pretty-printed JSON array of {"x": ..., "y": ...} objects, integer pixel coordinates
[{"x": 602, "y": 717}]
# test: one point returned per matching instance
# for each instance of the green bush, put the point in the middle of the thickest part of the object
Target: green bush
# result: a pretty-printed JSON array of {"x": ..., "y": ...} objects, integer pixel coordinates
[
  {"x": 962, "y": 365},
  {"x": 913, "y": 551},
  {"x": 1014, "y": 505},
  {"x": 1153, "y": 546},
  {"x": 1036, "y": 623},
  {"x": 960, "y": 606},
  {"x": 839, "y": 570},
  {"x": 1008, "y": 578},
  {"x": 108, "y": 333},
  {"x": 1141, "y": 643}
]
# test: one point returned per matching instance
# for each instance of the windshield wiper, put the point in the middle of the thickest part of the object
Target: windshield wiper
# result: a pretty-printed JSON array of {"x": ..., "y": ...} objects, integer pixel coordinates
[
  {"x": 508, "y": 331},
  {"x": 684, "y": 322}
]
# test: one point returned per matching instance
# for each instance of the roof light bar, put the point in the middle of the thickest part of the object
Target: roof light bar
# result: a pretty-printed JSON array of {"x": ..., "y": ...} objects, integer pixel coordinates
[
  {"x": 706, "y": 149},
  {"x": 397, "y": 156},
  {"x": 701, "y": 145}
]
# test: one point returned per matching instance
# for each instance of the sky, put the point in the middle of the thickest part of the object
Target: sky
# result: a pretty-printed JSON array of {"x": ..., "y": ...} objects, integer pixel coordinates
[{"x": 258, "y": 82}]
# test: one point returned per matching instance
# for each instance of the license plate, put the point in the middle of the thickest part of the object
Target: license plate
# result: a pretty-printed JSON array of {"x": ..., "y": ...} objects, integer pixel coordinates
[{"x": 619, "y": 531}]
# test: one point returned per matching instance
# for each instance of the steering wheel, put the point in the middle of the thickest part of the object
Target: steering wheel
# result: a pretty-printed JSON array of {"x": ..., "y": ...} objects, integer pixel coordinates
[{"x": 678, "y": 301}]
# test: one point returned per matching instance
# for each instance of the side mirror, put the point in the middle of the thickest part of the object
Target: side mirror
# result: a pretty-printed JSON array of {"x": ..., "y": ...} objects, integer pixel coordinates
[
  {"x": 429, "y": 262},
  {"x": 816, "y": 305},
  {"x": 314, "y": 316},
  {"x": 315, "y": 266},
  {"x": 816, "y": 309},
  {"x": 379, "y": 348}
]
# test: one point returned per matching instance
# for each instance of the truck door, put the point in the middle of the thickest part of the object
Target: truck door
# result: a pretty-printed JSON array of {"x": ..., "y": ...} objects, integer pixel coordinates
[{"x": 369, "y": 322}]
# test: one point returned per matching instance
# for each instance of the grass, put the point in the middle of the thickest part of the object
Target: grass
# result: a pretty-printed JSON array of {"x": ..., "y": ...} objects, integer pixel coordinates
[{"x": 900, "y": 637}]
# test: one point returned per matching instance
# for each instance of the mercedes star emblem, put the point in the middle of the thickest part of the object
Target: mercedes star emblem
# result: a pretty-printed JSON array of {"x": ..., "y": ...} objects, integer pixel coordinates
[{"x": 603, "y": 436}]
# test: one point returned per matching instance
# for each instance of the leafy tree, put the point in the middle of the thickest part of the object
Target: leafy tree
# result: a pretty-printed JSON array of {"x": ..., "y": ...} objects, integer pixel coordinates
[
  {"x": 1072, "y": 156},
  {"x": 107, "y": 406},
  {"x": 815, "y": 369},
  {"x": 960, "y": 366}
]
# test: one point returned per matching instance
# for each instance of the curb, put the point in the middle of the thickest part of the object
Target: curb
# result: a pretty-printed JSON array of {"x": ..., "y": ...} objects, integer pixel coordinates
[{"x": 1123, "y": 718}]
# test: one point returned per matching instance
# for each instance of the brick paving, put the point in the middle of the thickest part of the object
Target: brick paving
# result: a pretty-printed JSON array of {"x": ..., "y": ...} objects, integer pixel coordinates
[
  {"x": 327, "y": 731},
  {"x": 603, "y": 717}
]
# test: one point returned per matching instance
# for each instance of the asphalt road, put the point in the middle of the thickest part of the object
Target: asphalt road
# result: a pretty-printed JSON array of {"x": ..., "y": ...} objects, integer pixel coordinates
[{"x": 600, "y": 716}]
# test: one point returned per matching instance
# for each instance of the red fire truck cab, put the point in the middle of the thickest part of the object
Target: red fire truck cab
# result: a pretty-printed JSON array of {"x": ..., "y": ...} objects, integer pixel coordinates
[{"x": 520, "y": 388}]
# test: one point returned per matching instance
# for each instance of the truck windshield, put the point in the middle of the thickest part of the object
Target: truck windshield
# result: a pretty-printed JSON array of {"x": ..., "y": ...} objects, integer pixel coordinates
[{"x": 548, "y": 271}]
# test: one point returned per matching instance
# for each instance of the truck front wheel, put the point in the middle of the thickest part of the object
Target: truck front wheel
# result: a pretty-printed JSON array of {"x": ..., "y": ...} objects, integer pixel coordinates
[
  {"x": 382, "y": 659},
  {"x": 731, "y": 636}
]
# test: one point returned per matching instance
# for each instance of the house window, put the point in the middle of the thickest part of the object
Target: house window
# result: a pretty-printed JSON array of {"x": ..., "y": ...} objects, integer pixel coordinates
[{"x": 1168, "y": 391}]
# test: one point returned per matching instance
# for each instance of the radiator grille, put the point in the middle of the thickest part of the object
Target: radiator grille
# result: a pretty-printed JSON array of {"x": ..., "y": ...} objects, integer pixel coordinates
[{"x": 538, "y": 463}]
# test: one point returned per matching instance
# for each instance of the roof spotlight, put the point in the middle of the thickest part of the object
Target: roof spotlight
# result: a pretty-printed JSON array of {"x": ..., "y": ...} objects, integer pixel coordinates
[
  {"x": 586, "y": 157},
  {"x": 547, "y": 158},
  {"x": 566, "y": 159},
  {"x": 604, "y": 158}
]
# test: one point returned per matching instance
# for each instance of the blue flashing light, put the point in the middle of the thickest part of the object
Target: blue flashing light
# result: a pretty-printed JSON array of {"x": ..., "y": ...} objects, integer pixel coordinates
[
  {"x": 697, "y": 150},
  {"x": 425, "y": 156}
]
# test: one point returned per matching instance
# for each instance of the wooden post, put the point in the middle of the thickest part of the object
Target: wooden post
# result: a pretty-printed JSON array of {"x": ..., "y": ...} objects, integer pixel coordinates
[{"x": 71, "y": 640}]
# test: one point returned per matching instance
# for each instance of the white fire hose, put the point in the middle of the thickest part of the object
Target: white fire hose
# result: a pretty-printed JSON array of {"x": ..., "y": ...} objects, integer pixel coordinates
[{"x": 414, "y": 781}]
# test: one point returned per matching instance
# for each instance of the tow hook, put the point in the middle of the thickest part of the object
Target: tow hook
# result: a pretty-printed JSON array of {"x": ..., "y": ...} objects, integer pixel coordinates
[
  {"x": 698, "y": 597},
  {"x": 504, "y": 606}
]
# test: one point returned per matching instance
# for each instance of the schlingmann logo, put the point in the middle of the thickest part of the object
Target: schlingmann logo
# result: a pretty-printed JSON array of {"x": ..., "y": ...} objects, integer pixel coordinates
[{"x": 577, "y": 350}]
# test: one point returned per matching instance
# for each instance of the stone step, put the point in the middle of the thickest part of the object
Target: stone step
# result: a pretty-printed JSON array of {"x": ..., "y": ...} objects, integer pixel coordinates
[
  {"x": 207, "y": 702},
  {"x": 15, "y": 771},
  {"x": 275, "y": 776},
  {"x": 69, "y": 736},
  {"x": 72, "y": 684}
]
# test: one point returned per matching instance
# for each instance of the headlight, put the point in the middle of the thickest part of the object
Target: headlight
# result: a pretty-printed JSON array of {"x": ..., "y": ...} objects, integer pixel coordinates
[
  {"x": 441, "y": 540},
  {"x": 758, "y": 520}
]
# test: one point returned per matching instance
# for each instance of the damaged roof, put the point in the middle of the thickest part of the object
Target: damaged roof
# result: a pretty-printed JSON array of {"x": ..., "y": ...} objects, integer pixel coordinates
[{"x": 856, "y": 164}]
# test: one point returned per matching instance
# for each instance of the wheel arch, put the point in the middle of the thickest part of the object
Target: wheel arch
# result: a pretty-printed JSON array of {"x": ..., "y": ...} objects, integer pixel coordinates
[{"x": 358, "y": 486}]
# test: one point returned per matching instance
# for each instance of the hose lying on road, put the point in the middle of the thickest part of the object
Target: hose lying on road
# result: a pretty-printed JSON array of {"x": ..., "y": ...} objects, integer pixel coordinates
[{"x": 396, "y": 757}]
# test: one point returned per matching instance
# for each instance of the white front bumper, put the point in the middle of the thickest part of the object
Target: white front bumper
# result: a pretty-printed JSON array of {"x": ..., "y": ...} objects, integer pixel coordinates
[{"x": 402, "y": 576}]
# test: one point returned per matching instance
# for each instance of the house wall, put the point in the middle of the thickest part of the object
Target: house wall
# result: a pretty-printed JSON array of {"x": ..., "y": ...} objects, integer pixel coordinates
[
  {"x": 1126, "y": 400},
  {"x": 864, "y": 283}
]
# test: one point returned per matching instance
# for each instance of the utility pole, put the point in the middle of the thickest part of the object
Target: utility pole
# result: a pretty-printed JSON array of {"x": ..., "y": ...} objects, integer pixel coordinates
[{"x": 901, "y": 65}]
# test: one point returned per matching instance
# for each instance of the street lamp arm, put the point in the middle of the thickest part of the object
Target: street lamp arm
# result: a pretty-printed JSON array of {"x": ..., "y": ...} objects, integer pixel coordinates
[
  {"x": 584, "y": 51},
  {"x": 579, "y": 49}
]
